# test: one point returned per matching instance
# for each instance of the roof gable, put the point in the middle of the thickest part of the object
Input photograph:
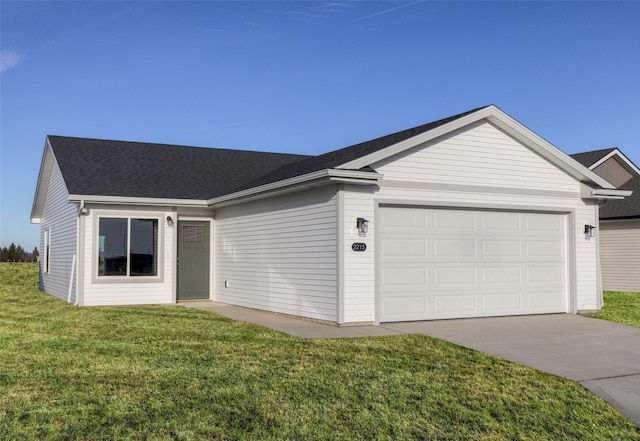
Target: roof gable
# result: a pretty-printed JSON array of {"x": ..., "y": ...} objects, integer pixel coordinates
[
  {"x": 346, "y": 155},
  {"x": 595, "y": 158}
]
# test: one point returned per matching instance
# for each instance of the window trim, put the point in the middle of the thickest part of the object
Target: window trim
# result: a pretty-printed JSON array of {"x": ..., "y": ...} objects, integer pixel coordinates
[
  {"x": 46, "y": 255},
  {"x": 97, "y": 278}
]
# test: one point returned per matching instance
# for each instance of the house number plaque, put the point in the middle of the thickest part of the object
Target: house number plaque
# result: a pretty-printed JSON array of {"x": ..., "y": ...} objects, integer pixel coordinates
[{"x": 358, "y": 246}]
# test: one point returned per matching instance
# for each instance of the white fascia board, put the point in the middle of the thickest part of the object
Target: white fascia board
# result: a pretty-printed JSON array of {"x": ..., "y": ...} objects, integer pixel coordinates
[
  {"x": 505, "y": 123},
  {"x": 351, "y": 176},
  {"x": 587, "y": 192},
  {"x": 124, "y": 200},
  {"x": 546, "y": 149},
  {"x": 615, "y": 152},
  {"x": 417, "y": 140},
  {"x": 42, "y": 185}
]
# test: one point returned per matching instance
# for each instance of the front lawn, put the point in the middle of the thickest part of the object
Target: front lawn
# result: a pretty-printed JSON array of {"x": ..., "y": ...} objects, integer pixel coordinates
[
  {"x": 168, "y": 372},
  {"x": 621, "y": 307}
]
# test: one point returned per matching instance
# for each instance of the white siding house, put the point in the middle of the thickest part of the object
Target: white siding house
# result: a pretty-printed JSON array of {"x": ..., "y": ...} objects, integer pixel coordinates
[
  {"x": 58, "y": 236},
  {"x": 469, "y": 216}
]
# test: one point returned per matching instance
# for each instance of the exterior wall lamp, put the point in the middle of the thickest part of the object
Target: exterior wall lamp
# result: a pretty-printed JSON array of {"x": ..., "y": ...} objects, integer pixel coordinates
[
  {"x": 170, "y": 221},
  {"x": 589, "y": 231},
  {"x": 363, "y": 225}
]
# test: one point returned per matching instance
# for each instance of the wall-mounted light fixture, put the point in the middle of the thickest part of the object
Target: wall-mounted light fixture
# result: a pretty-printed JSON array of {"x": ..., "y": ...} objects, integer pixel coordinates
[
  {"x": 589, "y": 231},
  {"x": 363, "y": 225},
  {"x": 170, "y": 221}
]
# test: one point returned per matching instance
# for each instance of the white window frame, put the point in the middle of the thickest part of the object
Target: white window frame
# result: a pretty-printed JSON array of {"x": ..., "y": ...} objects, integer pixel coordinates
[{"x": 158, "y": 278}]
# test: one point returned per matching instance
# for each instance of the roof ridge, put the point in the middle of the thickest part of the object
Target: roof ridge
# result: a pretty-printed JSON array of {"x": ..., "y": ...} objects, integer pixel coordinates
[
  {"x": 343, "y": 155},
  {"x": 181, "y": 146}
]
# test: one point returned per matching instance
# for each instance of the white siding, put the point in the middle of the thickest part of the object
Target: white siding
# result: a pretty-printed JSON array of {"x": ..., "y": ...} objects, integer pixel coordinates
[
  {"x": 279, "y": 254},
  {"x": 60, "y": 217},
  {"x": 620, "y": 255},
  {"x": 475, "y": 167},
  {"x": 479, "y": 154},
  {"x": 130, "y": 292},
  {"x": 359, "y": 266}
]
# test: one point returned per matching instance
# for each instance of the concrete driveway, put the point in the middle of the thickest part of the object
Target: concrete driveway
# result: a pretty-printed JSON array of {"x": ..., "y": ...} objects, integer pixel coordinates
[{"x": 602, "y": 356}]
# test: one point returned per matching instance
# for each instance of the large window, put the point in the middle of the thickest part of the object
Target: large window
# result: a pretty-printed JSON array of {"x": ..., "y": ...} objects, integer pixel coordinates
[{"x": 127, "y": 247}]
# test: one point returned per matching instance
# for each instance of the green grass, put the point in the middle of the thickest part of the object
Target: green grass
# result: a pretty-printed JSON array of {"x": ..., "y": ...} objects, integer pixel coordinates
[
  {"x": 176, "y": 373},
  {"x": 620, "y": 307}
]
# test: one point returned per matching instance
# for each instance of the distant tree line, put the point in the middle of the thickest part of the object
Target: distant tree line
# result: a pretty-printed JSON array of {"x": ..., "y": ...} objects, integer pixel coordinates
[{"x": 17, "y": 254}]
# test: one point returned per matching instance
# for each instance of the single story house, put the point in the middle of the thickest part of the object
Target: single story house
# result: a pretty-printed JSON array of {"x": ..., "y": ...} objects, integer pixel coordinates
[
  {"x": 619, "y": 220},
  {"x": 469, "y": 216}
]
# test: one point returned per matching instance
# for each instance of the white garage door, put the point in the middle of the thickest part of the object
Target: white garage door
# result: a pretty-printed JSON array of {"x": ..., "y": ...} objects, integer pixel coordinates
[{"x": 444, "y": 263}]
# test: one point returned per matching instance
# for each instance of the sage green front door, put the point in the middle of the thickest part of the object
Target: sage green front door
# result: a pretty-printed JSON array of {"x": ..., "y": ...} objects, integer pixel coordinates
[{"x": 193, "y": 260}]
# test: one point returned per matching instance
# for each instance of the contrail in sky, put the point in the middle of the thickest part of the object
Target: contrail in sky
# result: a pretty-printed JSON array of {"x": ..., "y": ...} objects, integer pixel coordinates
[{"x": 388, "y": 10}]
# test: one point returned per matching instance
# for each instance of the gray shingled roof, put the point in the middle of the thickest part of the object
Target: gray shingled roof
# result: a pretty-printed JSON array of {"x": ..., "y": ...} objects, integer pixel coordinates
[
  {"x": 135, "y": 169},
  {"x": 628, "y": 207},
  {"x": 589, "y": 158}
]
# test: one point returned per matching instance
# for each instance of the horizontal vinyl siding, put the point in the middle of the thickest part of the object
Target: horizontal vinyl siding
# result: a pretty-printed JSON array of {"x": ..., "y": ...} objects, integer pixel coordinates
[
  {"x": 279, "y": 254},
  {"x": 479, "y": 154},
  {"x": 359, "y": 266},
  {"x": 60, "y": 217},
  {"x": 118, "y": 292},
  {"x": 620, "y": 255}
]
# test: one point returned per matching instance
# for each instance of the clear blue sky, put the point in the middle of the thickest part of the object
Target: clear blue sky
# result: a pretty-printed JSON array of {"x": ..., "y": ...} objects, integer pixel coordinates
[{"x": 304, "y": 76}]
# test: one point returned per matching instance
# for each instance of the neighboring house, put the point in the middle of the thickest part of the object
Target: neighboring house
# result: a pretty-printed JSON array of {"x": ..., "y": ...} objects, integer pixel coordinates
[
  {"x": 469, "y": 216},
  {"x": 619, "y": 220}
]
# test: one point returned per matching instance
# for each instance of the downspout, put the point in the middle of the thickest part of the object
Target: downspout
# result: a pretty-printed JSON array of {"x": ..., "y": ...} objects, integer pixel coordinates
[
  {"x": 600, "y": 298},
  {"x": 82, "y": 212}
]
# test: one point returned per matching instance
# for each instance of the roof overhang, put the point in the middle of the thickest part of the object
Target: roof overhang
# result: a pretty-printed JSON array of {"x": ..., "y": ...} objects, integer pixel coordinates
[
  {"x": 126, "y": 200},
  {"x": 603, "y": 193},
  {"x": 505, "y": 123},
  {"x": 316, "y": 179}
]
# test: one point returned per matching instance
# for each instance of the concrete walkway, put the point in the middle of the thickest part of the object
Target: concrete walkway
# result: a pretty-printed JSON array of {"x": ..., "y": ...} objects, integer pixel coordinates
[{"x": 602, "y": 356}]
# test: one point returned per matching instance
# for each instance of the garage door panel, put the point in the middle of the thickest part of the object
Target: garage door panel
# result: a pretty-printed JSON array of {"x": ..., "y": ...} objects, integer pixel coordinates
[
  {"x": 459, "y": 302},
  {"x": 467, "y": 263},
  {"x": 544, "y": 249},
  {"x": 402, "y": 220},
  {"x": 454, "y": 248},
  {"x": 501, "y": 248},
  {"x": 545, "y": 274},
  {"x": 404, "y": 308},
  {"x": 444, "y": 221},
  {"x": 501, "y": 275},
  {"x": 543, "y": 223},
  {"x": 543, "y": 301},
  {"x": 454, "y": 276},
  {"x": 410, "y": 247},
  {"x": 501, "y": 223},
  {"x": 405, "y": 277},
  {"x": 502, "y": 302}
]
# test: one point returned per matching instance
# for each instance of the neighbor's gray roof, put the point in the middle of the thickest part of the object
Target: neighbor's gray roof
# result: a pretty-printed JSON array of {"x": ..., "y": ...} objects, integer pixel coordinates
[
  {"x": 589, "y": 158},
  {"x": 628, "y": 207},
  {"x": 135, "y": 169}
]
